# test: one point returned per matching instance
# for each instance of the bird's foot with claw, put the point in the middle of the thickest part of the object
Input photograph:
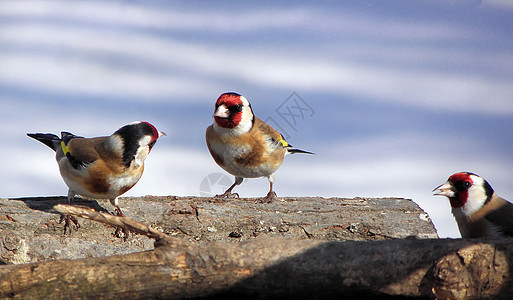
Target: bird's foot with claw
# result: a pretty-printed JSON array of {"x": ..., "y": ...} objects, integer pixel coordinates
[
  {"x": 227, "y": 195},
  {"x": 69, "y": 220},
  {"x": 121, "y": 232},
  {"x": 269, "y": 198}
]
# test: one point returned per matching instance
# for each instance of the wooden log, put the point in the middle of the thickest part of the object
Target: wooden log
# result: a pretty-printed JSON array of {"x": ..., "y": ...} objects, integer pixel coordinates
[
  {"x": 269, "y": 267},
  {"x": 276, "y": 268},
  {"x": 30, "y": 229}
]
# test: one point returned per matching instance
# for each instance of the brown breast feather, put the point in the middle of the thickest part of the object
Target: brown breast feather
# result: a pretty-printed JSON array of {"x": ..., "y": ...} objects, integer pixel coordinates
[
  {"x": 262, "y": 151},
  {"x": 103, "y": 162},
  {"x": 256, "y": 139},
  {"x": 210, "y": 137}
]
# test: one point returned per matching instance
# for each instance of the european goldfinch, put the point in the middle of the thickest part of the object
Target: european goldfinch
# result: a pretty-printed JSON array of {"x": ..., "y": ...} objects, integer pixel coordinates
[
  {"x": 243, "y": 145},
  {"x": 477, "y": 209},
  {"x": 102, "y": 167}
]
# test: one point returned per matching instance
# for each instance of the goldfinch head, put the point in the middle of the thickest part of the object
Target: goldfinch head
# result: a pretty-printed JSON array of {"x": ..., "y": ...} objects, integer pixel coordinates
[
  {"x": 136, "y": 139},
  {"x": 466, "y": 189},
  {"x": 233, "y": 112}
]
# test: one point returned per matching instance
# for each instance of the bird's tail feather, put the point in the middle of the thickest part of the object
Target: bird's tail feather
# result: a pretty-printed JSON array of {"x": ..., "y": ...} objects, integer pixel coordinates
[{"x": 49, "y": 139}]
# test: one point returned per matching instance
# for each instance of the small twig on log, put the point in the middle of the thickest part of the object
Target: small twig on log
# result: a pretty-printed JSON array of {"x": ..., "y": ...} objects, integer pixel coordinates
[{"x": 124, "y": 222}]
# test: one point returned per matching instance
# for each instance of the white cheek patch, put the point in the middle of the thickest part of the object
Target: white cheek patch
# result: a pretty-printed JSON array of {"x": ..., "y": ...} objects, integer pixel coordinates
[
  {"x": 141, "y": 155},
  {"x": 142, "y": 151},
  {"x": 245, "y": 101},
  {"x": 145, "y": 141},
  {"x": 247, "y": 120},
  {"x": 476, "y": 197}
]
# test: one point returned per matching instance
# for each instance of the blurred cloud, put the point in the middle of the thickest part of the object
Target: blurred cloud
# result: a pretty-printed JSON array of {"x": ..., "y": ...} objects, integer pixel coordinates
[
  {"x": 502, "y": 4},
  {"x": 144, "y": 15},
  {"x": 404, "y": 93},
  {"x": 118, "y": 63}
]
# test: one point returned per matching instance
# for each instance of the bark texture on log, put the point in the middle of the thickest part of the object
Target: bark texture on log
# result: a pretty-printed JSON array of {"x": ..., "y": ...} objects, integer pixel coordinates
[
  {"x": 276, "y": 268},
  {"x": 30, "y": 232},
  {"x": 310, "y": 258}
]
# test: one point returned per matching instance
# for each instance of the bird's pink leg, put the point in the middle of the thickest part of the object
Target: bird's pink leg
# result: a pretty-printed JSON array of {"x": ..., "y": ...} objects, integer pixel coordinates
[
  {"x": 121, "y": 232},
  {"x": 271, "y": 195},
  {"x": 228, "y": 193},
  {"x": 68, "y": 219}
]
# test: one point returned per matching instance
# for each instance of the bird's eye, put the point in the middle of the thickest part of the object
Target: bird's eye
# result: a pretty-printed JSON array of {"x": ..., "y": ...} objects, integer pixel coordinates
[
  {"x": 467, "y": 184},
  {"x": 235, "y": 108}
]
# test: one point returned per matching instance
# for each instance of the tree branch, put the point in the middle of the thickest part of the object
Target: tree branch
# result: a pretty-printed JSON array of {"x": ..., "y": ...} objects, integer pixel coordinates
[{"x": 106, "y": 218}]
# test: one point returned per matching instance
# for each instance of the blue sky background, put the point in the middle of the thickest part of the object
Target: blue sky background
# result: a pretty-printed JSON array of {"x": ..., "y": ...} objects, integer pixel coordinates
[{"x": 403, "y": 93}]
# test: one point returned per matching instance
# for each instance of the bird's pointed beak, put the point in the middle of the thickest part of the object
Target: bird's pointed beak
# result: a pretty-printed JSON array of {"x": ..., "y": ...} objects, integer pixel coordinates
[
  {"x": 162, "y": 134},
  {"x": 222, "y": 112},
  {"x": 446, "y": 189}
]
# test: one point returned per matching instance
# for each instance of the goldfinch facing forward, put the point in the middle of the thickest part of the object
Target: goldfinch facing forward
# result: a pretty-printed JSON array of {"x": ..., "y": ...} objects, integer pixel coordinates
[
  {"x": 477, "y": 209},
  {"x": 243, "y": 145},
  {"x": 102, "y": 167}
]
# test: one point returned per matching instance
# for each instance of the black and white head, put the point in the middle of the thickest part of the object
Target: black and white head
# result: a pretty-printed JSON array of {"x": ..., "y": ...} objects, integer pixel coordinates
[{"x": 135, "y": 140}]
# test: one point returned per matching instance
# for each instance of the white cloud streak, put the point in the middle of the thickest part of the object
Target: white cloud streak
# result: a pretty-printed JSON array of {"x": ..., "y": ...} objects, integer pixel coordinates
[{"x": 183, "y": 65}]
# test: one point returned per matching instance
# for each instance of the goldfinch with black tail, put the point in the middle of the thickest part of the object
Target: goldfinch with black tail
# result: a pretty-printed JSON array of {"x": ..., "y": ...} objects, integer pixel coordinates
[
  {"x": 102, "y": 167},
  {"x": 243, "y": 145},
  {"x": 478, "y": 210}
]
